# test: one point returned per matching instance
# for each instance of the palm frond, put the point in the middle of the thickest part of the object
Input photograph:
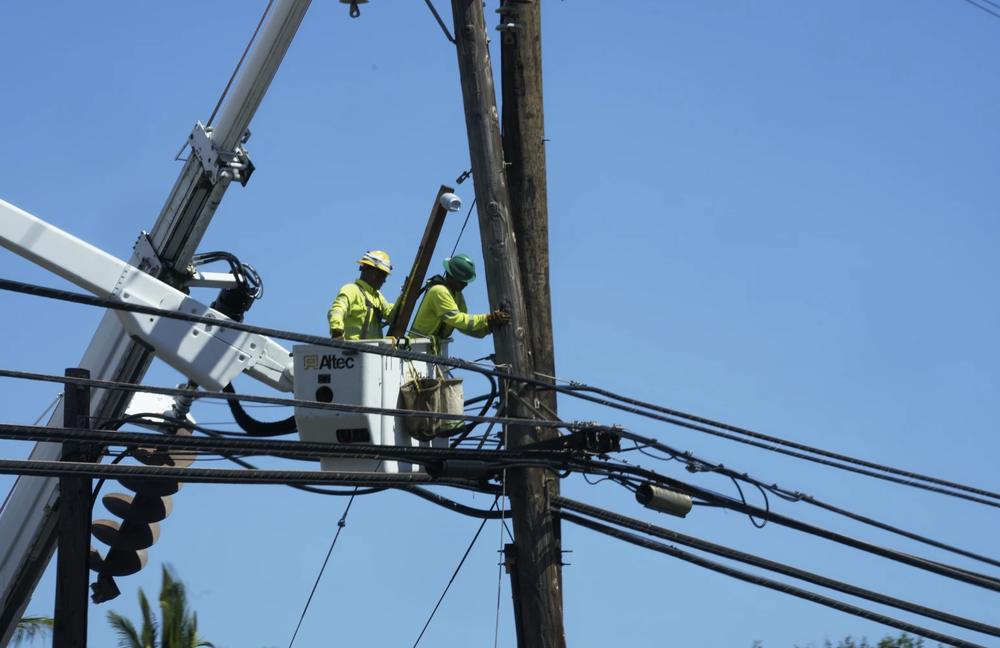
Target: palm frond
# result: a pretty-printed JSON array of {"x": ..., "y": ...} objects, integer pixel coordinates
[
  {"x": 127, "y": 636},
  {"x": 31, "y": 628}
]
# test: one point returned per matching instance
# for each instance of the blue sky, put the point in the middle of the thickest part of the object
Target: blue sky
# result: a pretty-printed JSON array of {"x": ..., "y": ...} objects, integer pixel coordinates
[{"x": 779, "y": 214}]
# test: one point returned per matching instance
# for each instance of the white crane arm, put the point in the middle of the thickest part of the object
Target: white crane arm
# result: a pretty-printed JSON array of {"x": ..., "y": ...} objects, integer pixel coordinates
[{"x": 211, "y": 356}]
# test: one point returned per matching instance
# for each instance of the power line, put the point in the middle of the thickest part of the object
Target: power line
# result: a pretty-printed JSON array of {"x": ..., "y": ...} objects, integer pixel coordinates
[
  {"x": 462, "y": 231},
  {"x": 574, "y": 390},
  {"x": 696, "y": 464},
  {"x": 386, "y": 452},
  {"x": 769, "y": 583},
  {"x": 776, "y": 441},
  {"x": 448, "y": 586},
  {"x": 444, "y": 28},
  {"x": 412, "y": 454},
  {"x": 37, "y": 468},
  {"x": 290, "y": 402},
  {"x": 724, "y": 501},
  {"x": 14, "y": 485},
  {"x": 288, "y": 449},
  {"x": 770, "y": 565},
  {"x": 977, "y": 6},
  {"x": 340, "y": 527},
  {"x": 218, "y": 475},
  {"x": 305, "y": 477}
]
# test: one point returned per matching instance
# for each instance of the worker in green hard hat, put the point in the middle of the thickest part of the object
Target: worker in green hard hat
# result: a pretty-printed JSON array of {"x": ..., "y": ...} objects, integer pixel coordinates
[{"x": 443, "y": 309}]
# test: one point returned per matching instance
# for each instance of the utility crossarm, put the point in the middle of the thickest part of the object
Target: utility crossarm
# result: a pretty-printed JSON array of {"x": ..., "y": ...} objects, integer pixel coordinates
[{"x": 27, "y": 524}]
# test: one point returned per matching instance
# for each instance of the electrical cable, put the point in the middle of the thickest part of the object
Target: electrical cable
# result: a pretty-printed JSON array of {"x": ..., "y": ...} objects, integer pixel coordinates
[
  {"x": 491, "y": 459},
  {"x": 490, "y": 399},
  {"x": 724, "y": 501},
  {"x": 216, "y": 475},
  {"x": 776, "y": 441},
  {"x": 454, "y": 506},
  {"x": 37, "y": 421},
  {"x": 574, "y": 390},
  {"x": 100, "y": 483},
  {"x": 240, "y": 64},
  {"x": 792, "y": 496},
  {"x": 778, "y": 586},
  {"x": 39, "y": 468},
  {"x": 448, "y": 586},
  {"x": 462, "y": 231},
  {"x": 444, "y": 27},
  {"x": 744, "y": 499},
  {"x": 770, "y": 565},
  {"x": 308, "y": 489},
  {"x": 500, "y": 567},
  {"x": 407, "y": 453},
  {"x": 309, "y": 477},
  {"x": 978, "y": 6},
  {"x": 336, "y": 407},
  {"x": 341, "y": 523}
]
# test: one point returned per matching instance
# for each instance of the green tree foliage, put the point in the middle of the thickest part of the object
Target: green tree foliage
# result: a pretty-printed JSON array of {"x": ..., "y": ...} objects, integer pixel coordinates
[
  {"x": 902, "y": 641},
  {"x": 31, "y": 628},
  {"x": 177, "y": 627}
]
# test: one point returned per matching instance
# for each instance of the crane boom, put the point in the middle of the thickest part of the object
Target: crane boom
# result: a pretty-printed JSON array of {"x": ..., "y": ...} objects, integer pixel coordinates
[{"x": 28, "y": 522}]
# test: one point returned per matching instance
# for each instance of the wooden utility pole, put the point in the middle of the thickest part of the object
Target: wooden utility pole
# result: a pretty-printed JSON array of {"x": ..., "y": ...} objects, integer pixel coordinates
[
  {"x": 524, "y": 151},
  {"x": 72, "y": 564},
  {"x": 538, "y": 555}
]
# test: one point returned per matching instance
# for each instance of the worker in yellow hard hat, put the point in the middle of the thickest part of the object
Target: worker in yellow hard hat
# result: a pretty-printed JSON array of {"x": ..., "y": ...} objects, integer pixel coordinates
[
  {"x": 360, "y": 310},
  {"x": 443, "y": 309}
]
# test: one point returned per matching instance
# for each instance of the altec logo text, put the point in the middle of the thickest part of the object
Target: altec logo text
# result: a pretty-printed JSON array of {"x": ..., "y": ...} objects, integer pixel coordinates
[{"x": 326, "y": 362}]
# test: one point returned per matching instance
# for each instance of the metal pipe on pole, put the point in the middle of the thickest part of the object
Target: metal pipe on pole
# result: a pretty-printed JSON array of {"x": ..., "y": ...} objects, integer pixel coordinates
[{"x": 538, "y": 555}]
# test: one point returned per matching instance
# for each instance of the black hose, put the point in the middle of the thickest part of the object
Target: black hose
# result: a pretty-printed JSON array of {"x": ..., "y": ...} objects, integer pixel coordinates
[
  {"x": 256, "y": 428},
  {"x": 490, "y": 399}
]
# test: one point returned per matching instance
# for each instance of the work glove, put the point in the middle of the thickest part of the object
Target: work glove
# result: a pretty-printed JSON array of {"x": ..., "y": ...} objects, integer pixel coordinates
[
  {"x": 498, "y": 318},
  {"x": 337, "y": 334}
]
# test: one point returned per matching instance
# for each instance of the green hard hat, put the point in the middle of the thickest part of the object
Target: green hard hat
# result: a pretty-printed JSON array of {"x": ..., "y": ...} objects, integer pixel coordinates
[{"x": 462, "y": 267}]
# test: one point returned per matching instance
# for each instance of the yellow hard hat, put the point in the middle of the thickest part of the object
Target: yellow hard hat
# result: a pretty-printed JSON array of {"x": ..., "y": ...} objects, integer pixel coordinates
[{"x": 377, "y": 259}]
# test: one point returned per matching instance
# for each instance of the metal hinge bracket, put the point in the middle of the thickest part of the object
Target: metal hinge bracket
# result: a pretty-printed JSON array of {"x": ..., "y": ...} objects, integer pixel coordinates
[{"x": 219, "y": 163}]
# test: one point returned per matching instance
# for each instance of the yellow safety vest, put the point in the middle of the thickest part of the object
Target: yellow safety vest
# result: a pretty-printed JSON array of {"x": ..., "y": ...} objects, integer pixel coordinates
[
  {"x": 443, "y": 311},
  {"x": 359, "y": 310}
]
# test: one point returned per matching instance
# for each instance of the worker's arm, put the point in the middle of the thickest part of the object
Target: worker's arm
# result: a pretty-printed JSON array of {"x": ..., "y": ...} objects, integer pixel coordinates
[
  {"x": 341, "y": 307},
  {"x": 450, "y": 314},
  {"x": 388, "y": 311}
]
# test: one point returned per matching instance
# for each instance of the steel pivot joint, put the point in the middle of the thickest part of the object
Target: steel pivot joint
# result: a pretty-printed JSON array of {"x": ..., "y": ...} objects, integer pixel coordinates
[{"x": 218, "y": 163}]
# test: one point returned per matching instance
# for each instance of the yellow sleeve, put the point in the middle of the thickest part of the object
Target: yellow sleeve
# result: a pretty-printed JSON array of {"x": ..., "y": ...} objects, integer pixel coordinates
[
  {"x": 451, "y": 314},
  {"x": 388, "y": 310},
  {"x": 341, "y": 307}
]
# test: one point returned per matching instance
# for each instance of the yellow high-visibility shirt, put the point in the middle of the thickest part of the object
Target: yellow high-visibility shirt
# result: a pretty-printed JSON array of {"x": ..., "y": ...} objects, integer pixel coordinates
[
  {"x": 443, "y": 311},
  {"x": 360, "y": 311}
]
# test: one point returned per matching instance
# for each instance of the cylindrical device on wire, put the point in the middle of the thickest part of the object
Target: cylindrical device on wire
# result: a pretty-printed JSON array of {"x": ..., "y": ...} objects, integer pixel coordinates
[{"x": 663, "y": 500}]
